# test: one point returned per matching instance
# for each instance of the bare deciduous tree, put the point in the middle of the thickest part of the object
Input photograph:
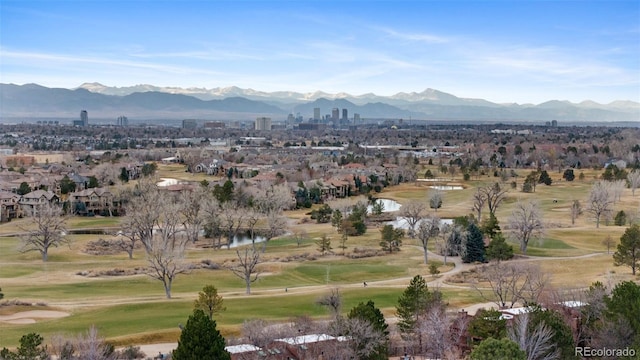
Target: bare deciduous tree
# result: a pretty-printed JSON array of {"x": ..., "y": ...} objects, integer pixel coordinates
[
  {"x": 600, "y": 201},
  {"x": 276, "y": 197},
  {"x": 106, "y": 173},
  {"x": 299, "y": 236},
  {"x": 634, "y": 181},
  {"x": 608, "y": 242},
  {"x": 89, "y": 345},
  {"x": 191, "y": 207},
  {"x": 247, "y": 266},
  {"x": 495, "y": 195},
  {"x": 155, "y": 220},
  {"x": 617, "y": 188},
  {"x": 412, "y": 212},
  {"x": 576, "y": 210},
  {"x": 511, "y": 283},
  {"x": 333, "y": 301},
  {"x": 50, "y": 230},
  {"x": 450, "y": 241},
  {"x": 166, "y": 261},
  {"x": 252, "y": 217},
  {"x": 526, "y": 223},
  {"x": 365, "y": 339},
  {"x": 537, "y": 343},
  {"x": 92, "y": 346},
  {"x": 276, "y": 223},
  {"x": 143, "y": 212},
  {"x": 434, "y": 328},
  {"x": 232, "y": 218},
  {"x": 213, "y": 221},
  {"x": 479, "y": 199},
  {"x": 259, "y": 332},
  {"x": 429, "y": 228}
]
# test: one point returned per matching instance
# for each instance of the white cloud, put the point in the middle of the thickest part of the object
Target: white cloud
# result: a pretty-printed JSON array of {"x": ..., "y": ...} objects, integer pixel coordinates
[
  {"x": 412, "y": 36},
  {"x": 69, "y": 62}
]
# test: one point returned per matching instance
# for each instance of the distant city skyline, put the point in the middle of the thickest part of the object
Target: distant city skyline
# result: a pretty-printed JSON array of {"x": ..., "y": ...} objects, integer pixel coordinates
[{"x": 501, "y": 51}]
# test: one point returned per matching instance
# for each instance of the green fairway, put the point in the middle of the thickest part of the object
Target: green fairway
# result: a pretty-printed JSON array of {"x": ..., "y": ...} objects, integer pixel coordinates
[{"x": 114, "y": 321}]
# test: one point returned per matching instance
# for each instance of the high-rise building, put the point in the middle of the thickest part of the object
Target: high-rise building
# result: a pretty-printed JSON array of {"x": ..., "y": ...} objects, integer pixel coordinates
[
  {"x": 356, "y": 117},
  {"x": 335, "y": 114},
  {"x": 84, "y": 117},
  {"x": 122, "y": 121},
  {"x": 316, "y": 114},
  {"x": 263, "y": 123},
  {"x": 345, "y": 115},
  {"x": 190, "y": 124}
]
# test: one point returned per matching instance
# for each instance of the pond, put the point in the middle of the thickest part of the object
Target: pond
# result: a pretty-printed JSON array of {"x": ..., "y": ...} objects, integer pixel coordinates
[
  {"x": 401, "y": 223},
  {"x": 388, "y": 205},
  {"x": 241, "y": 239}
]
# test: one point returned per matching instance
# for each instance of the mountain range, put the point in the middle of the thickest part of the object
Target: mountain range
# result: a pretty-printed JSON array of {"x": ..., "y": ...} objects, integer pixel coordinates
[{"x": 150, "y": 102}]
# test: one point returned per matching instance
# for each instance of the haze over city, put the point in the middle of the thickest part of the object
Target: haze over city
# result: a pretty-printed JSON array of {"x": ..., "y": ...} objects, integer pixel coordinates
[{"x": 524, "y": 52}]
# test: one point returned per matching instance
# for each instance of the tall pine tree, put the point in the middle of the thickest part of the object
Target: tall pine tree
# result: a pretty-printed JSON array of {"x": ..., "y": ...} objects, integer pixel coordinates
[
  {"x": 474, "y": 249},
  {"x": 415, "y": 301},
  {"x": 370, "y": 313},
  {"x": 200, "y": 340}
]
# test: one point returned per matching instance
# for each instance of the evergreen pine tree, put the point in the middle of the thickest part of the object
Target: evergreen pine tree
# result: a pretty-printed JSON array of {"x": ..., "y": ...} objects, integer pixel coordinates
[
  {"x": 491, "y": 349},
  {"x": 200, "y": 340},
  {"x": 628, "y": 252},
  {"x": 414, "y": 301},
  {"x": 491, "y": 226},
  {"x": 370, "y": 313},
  {"x": 498, "y": 249},
  {"x": 474, "y": 246},
  {"x": 544, "y": 178}
]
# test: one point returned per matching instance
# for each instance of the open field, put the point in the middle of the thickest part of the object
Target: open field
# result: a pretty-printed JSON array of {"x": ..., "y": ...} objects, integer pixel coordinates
[{"x": 132, "y": 309}]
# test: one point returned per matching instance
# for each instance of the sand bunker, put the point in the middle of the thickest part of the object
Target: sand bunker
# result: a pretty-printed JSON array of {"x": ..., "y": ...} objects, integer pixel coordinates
[{"x": 31, "y": 317}]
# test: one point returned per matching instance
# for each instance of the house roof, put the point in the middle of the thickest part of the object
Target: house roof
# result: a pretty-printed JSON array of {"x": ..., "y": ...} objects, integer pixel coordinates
[
  {"x": 37, "y": 194},
  {"x": 77, "y": 178},
  {"x": 88, "y": 192},
  {"x": 242, "y": 348},
  {"x": 306, "y": 339},
  {"x": 8, "y": 195},
  {"x": 354, "y": 166}
]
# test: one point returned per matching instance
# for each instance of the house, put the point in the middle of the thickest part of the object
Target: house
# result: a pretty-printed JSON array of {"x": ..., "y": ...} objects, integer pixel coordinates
[
  {"x": 31, "y": 201},
  {"x": 245, "y": 352},
  {"x": 312, "y": 346},
  {"x": 94, "y": 201},
  {"x": 338, "y": 188},
  {"x": 9, "y": 206},
  {"x": 80, "y": 181},
  {"x": 211, "y": 167}
]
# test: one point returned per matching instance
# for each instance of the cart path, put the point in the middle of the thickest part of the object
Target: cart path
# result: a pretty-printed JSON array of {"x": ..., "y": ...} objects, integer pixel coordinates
[{"x": 400, "y": 283}]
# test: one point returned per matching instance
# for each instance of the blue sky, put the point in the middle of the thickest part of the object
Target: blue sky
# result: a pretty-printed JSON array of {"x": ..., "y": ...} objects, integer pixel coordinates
[{"x": 502, "y": 51}]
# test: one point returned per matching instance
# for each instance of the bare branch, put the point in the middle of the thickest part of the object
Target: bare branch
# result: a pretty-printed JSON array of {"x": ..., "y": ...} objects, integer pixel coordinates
[
  {"x": 50, "y": 230},
  {"x": 600, "y": 201},
  {"x": 246, "y": 269},
  {"x": 429, "y": 228},
  {"x": 526, "y": 224},
  {"x": 412, "y": 213}
]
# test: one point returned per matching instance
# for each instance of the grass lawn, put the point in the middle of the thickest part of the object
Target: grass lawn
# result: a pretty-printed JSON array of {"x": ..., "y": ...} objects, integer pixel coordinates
[
  {"x": 161, "y": 318},
  {"x": 133, "y": 310}
]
